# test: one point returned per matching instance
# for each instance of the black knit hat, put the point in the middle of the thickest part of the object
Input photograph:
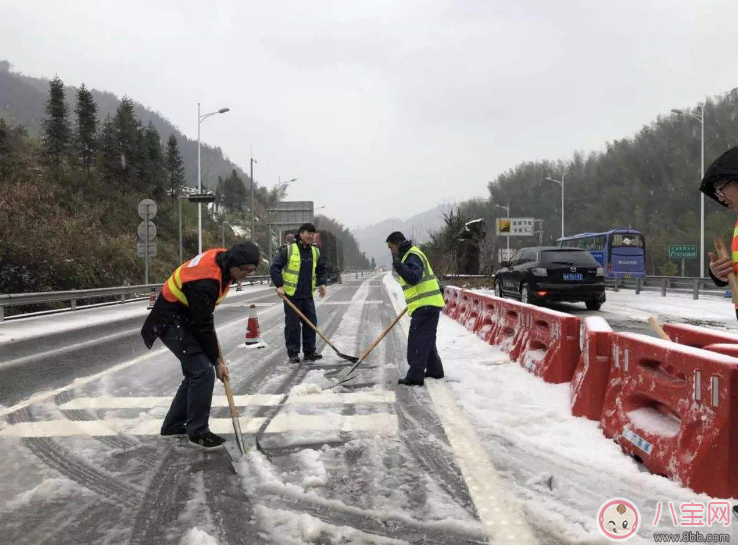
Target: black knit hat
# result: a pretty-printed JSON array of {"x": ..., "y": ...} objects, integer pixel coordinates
[
  {"x": 243, "y": 253},
  {"x": 724, "y": 167}
]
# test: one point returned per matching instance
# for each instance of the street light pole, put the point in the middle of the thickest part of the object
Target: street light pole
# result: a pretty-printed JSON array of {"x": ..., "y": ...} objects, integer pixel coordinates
[
  {"x": 253, "y": 234},
  {"x": 200, "y": 119},
  {"x": 701, "y": 118},
  {"x": 507, "y": 208},
  {"x": 561, "y": 183}
]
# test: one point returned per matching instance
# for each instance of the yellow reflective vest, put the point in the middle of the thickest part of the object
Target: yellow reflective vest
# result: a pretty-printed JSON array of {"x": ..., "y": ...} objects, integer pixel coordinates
[
  {"x": 427, "y": 292},
  {"x": 291, "y": 271}
]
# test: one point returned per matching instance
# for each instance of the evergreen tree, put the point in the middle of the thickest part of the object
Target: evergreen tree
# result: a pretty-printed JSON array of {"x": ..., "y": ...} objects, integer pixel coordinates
[
  {"x": 155, "y": 175},
  {"x": 56, "y": 131},
  {"x": 175, "y": 167},
  {"x": 86, "y": 133},
  {"x": 109, "y": 157},
  {"x": 129, "y": 142},
  {"x": 234, "y": 193}
]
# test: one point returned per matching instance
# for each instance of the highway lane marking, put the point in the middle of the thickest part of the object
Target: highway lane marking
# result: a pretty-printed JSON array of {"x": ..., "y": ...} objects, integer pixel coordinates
[
  {"x": 498, "y": 509},
  {"x": 261, "y": 400},
  {"x": 68, "y": 348},
  {"x": 284, "y": 423}
]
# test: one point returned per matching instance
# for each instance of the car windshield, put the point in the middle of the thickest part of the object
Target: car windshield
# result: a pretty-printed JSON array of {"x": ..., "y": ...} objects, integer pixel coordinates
[{"x": 568, "y": 257}]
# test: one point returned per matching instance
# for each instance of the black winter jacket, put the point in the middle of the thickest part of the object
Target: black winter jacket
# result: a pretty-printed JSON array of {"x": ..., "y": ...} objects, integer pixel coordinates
[{"x": 196, "y": 319}]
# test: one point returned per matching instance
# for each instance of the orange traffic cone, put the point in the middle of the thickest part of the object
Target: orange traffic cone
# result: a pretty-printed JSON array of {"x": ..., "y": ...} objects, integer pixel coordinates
[
  {"x": 152, "y": 300},
  {"x": 252, "y": 328},
  {"x": 238, "y": 287}
]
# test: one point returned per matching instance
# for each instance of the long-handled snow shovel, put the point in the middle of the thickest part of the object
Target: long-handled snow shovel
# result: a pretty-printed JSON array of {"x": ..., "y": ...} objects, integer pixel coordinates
[
  {"x": 347, "y": 376},
  {"x": 234, "y": 415},
  {"x": 352, "y": 359},
  {"x": 657, "y": 328}
]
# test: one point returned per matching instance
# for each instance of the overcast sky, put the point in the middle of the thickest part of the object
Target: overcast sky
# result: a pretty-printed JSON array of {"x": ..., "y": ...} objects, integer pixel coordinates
[{"x": 388, "y": 108}]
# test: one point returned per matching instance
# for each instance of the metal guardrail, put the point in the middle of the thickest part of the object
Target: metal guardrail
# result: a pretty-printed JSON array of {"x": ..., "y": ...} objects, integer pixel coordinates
[
  {"x": 669, "y": 284},
  {"x": 120, "y": 292}
]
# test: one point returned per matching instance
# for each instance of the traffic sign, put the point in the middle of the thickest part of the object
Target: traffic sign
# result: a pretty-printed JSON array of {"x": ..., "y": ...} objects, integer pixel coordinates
[
  {"x": 682, "y": 251},
  {"x": 505, "y": 254},
  {"x": 141, "y": 231},
  {"x": 141, "y": 249},
  {"x": 147, "y": 209},
  {"x": 201, "y": 197},
  {"x": 515, "y": 227}
]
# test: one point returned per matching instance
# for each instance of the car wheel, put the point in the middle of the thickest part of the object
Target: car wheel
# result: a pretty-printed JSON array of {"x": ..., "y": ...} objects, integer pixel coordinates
[
  {"x": 524, "y": 295},
  {"x": 498, "y": 290},
  {"x": 593, "y": 305}
]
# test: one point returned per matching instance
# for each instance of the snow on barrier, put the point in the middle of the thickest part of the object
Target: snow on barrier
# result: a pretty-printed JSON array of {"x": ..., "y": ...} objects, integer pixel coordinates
[
  {"x": 589, "y": 383},
  {"x": 451, "y": 296},
  {"x": 698, "y": 337},
  {"x": 549, "y": 344},
  {"x": 488, "y": 320},
  {"x": 474, "y": 307},
  {"x": 675, "y": 407}
]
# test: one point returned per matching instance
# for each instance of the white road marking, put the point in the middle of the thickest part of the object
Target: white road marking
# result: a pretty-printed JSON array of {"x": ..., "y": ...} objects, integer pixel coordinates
[
  {"x": 498, "y": 509},
  {"x": 262, "y": 400},
  {"x": 285, "y": 422},
  {"x": 68, "y": 348}
]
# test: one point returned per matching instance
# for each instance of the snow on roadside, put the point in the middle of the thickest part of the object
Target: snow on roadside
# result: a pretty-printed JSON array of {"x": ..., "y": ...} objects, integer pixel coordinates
[
  {"x": 197, "y": 537},
  {"x": 50, "y": 490}
]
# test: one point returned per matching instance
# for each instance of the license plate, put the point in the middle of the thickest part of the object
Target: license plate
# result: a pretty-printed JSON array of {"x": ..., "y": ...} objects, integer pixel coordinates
[
  {"x": 573, "y": 276},
  {"x": 628, "y": 276}
]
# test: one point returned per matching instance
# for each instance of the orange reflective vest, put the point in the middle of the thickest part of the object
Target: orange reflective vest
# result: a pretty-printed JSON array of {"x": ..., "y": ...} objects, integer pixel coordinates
[{"x": 200, "y": 267}]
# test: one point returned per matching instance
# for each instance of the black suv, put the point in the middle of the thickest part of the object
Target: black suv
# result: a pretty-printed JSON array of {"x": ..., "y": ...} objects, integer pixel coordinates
[{"x": 547, "y": 273}]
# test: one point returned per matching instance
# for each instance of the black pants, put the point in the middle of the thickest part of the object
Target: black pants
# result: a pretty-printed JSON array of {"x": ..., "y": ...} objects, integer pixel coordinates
[
  {"x": 190, "y": 407},
  {"x": 422, "y": 355},
  {"x": 293, "y": 324}
]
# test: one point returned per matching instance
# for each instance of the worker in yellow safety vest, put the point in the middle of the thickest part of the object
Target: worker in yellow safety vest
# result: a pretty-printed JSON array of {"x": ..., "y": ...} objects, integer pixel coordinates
[
  {"x": 424, "y": 303},
  {"x": 297, "y": 271}
]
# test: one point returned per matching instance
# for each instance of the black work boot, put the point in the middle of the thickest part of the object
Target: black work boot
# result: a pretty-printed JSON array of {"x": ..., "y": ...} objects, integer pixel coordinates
[
  {"x": 294, "y": 358},
  {"x": 410, "y": 382},
  {"x": 431, "y": 375},
  {"x": 175, "y": 432},
  {"x": 208, "y": 441},
  {"x": 312, "y": 356}
]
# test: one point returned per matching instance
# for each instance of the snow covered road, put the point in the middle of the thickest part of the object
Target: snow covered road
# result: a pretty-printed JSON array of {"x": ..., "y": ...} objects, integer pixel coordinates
[{"x": 490, "y": 454}]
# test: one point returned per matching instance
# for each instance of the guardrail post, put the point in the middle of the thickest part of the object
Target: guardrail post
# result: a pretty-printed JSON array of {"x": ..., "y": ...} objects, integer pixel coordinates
[
  {"x": 616, "y": 285},
  {"x": 2, "y": 313},
  {"x": 696, "y": 291},
  {"x": 638, "y": 285},
  {"x": 122, "y": 298},
  {"x": 74, "y": 304},
  {"x": 664, "y": 284}
]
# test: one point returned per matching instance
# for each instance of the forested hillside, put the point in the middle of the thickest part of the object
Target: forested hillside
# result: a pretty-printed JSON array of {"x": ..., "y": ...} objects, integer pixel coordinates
[
  {"x": 648, "y": 182},
  {"x": 71, "y": 180}
]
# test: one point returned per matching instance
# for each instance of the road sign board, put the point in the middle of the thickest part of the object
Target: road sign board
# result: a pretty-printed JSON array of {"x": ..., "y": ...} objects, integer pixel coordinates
[
  {"x": 147, "y": 209},
  {"x": 141, "y": 249},
  {"x": 682, "y": 251},
  {"x": 201, "y": 197},
  {"x": 505, "y": 254},
  {"x": 289, "y": 215},
  {"x": 515, "y": 227},
  {"x": 141, "y": 231}
]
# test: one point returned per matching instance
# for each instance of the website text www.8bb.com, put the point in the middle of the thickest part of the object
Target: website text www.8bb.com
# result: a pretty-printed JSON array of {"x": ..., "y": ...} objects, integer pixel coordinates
[{"x": 690, "y": 536}]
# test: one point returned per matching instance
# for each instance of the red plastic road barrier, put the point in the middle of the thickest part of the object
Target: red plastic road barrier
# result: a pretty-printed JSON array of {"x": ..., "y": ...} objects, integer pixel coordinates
[
  {"x": 728, "y": 349},
  {"x": 549, "y": 346},
  {"x": 510, "y": 328},
  {"x": 473, "y": 310},
  {"x": 699, "y": 337},
  {"x": 152, "y": 299},
  {"x": 589, "y": 383},
  {"x": 676, "y": 408},
  {"x": 489, "y": 318},
  {"x": 451, "y": 295}
]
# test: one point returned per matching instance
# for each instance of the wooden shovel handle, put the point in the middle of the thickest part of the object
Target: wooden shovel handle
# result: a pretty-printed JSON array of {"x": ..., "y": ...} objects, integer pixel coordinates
[
  {"x": 227, "y": 385},
  {"x": 308, "y": 322},
  {"x": 657, "y": 328},
  {"x": 383, "y": 334},
  {"x": 723, "y": 253}
]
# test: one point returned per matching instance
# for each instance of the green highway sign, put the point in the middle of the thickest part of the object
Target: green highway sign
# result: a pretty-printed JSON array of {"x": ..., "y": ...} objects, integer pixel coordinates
[{"x": 683, "y": 251}]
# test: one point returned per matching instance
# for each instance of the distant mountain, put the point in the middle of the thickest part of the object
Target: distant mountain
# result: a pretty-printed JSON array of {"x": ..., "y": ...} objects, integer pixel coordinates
[
  {"x": 23, "y": 99},
  {"x": 372, "y": 238}
]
